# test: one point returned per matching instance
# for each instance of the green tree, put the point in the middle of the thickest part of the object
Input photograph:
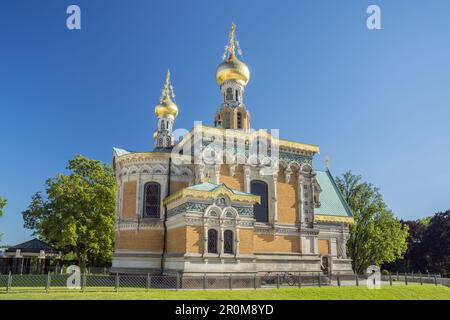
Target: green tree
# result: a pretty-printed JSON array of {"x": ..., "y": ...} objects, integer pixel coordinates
[
  {"x": 3, "y": 203},
  {"x": 377, "y": 237},
  {"x": 77, "y": 214},
  {"x": 436, "y": 243}
]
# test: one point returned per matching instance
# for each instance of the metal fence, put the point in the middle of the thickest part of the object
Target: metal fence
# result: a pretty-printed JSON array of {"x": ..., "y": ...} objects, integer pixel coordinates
[{"x": 121, "y": 282}]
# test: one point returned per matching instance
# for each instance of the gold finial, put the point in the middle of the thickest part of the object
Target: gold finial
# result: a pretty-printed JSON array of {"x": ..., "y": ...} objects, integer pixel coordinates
[
  {"x": 327, "y": 162},
  {"x": 231, "y": 47},
  {"x": 168, "y": 89},
  {"x": 232, "y": 36}
]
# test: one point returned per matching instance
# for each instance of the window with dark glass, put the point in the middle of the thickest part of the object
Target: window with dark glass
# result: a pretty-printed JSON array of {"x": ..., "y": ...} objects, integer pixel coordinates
[
  {"x": 152, "y": 198},
  {"x": 212, "y": 241},
  {"x": 239, "y": 120},
  {"x": 229, "y": 94},
  {"x": 227, "y": 120},
  {"x": 228, "y": 241},
  {"x": 261, "y": 210}
]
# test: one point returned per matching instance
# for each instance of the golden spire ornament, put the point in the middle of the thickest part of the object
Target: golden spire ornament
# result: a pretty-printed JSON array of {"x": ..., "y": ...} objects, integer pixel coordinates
[
  {"x": 231, "y": 68},
  {"x": 166, "y": 90},
  {"x": 231, "y": 47},
  {"x": 327, "y": 162},
  {"x": 166, "y": 106}
]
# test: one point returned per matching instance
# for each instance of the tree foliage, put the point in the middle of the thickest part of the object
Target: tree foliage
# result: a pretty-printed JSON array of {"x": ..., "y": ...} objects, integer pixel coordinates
[
  {"x": 377, "y": 236},
  {"x": 77, "y": 213},
  {"x": 428, "y": 246},
  {"x": 3, "y": 203}
]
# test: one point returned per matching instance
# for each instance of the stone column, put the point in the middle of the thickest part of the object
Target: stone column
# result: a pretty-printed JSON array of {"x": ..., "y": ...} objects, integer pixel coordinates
[
  {"x": 313, "y": 205},
  {"x": 205, "y": 239},
  {"x": 221, "y": 240},
  {"x": 237, "y": 243},
  {"x": 216, "y": 178},
  {"x": 247, "y": 172},
  {"x": 333, "y": 247},
  {"x": 274, "y": 197},
  {"x": 301, "y": 181},
  {"x": 139, "y": 191}
]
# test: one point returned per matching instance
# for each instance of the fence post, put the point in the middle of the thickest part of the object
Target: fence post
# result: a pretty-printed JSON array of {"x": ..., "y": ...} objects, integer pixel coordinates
[
  {"x": 230, "y": 282},
  {"x": 148, "y": 281},
  {"x": 339, "y": 279},
  {"x": 47, "y": 286},
  {"x": 278, "y": 281},
  {"x": 178, "y": 281},
  {"x": 406, "y": 278},
  {"x": 390, "y": 278},
  {"x": 117, "y": 281},
  {"x": 204, "y": 281},
  {"x": 412, "y": 276},
  {"x": 435, "y": 280},
  {"x": 398, "y": 277},
  {"x": 254, "y": 281},
  {"x": 9, "y": 283},
  {"x": 420, "y": 277},
  {"x": 318, "y": 279},
  {"x": 299, "y": 280},
  {"x": 357, "y": 280}
]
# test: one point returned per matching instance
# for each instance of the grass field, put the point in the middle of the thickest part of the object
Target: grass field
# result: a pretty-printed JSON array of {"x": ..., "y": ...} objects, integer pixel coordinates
[{"x": 398, "y": 292}]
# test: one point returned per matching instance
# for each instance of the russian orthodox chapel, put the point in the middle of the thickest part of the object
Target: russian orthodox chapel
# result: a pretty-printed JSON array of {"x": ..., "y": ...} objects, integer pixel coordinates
[{"x": 226, "y": 198}]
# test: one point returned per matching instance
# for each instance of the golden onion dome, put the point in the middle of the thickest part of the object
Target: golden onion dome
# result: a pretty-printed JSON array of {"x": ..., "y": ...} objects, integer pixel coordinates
[
  {"x": 166, "y": 108},
  {"x": 233, "y": 69},
  {"x": 155, "y": 135}
]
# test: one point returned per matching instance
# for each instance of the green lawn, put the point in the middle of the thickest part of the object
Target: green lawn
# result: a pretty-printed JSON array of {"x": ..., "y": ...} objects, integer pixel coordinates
[{"x": 397, "y": 292}]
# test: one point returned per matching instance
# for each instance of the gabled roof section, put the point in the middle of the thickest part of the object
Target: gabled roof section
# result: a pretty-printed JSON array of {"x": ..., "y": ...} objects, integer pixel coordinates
[
  {"x": 34, "y": 245},
  {"x": 333, "y": 207},
  {"x": 117, "y": 152},
  {"x": 210, "y": 190}
]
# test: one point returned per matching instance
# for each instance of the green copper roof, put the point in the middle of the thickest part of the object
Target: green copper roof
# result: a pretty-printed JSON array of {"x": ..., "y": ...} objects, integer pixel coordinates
[
  {"x": 331, "y": 201},
  {"x": 208, "y": 186}
]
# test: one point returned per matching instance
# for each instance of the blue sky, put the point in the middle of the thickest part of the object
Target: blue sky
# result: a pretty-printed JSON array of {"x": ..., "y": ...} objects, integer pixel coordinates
[{"x": 377, "y": 102}]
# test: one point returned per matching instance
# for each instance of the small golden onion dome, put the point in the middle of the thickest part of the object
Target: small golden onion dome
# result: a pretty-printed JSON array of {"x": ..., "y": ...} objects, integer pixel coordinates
[
  {"x": 166, "y": 108},
  {"x": 233, "y": 69},
  {"x": 155, "y": 135}
]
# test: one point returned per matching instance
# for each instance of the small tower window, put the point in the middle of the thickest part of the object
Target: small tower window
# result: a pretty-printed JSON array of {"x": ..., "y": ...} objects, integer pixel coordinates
[
  {"x": 239, "y": 120},
  {"x": 227, "y": 120},
  {"x": 237, "y": 95},
  {"x": 229, "y": 94}
]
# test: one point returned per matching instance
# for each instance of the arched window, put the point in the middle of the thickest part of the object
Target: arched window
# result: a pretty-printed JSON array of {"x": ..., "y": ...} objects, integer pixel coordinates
[
  {"x": 261, "y": 210},
  {"x": 229, "y": 95},
  {"x": 152, "y": 199},
  {"x": 237, "y": 95},
  {"x": 212, "y": 241},
  {"x": 228, "y": 242}
]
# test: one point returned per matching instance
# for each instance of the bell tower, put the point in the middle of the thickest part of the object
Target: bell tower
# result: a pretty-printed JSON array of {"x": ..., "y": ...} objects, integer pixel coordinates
[{"x": 232, "y": 75}]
